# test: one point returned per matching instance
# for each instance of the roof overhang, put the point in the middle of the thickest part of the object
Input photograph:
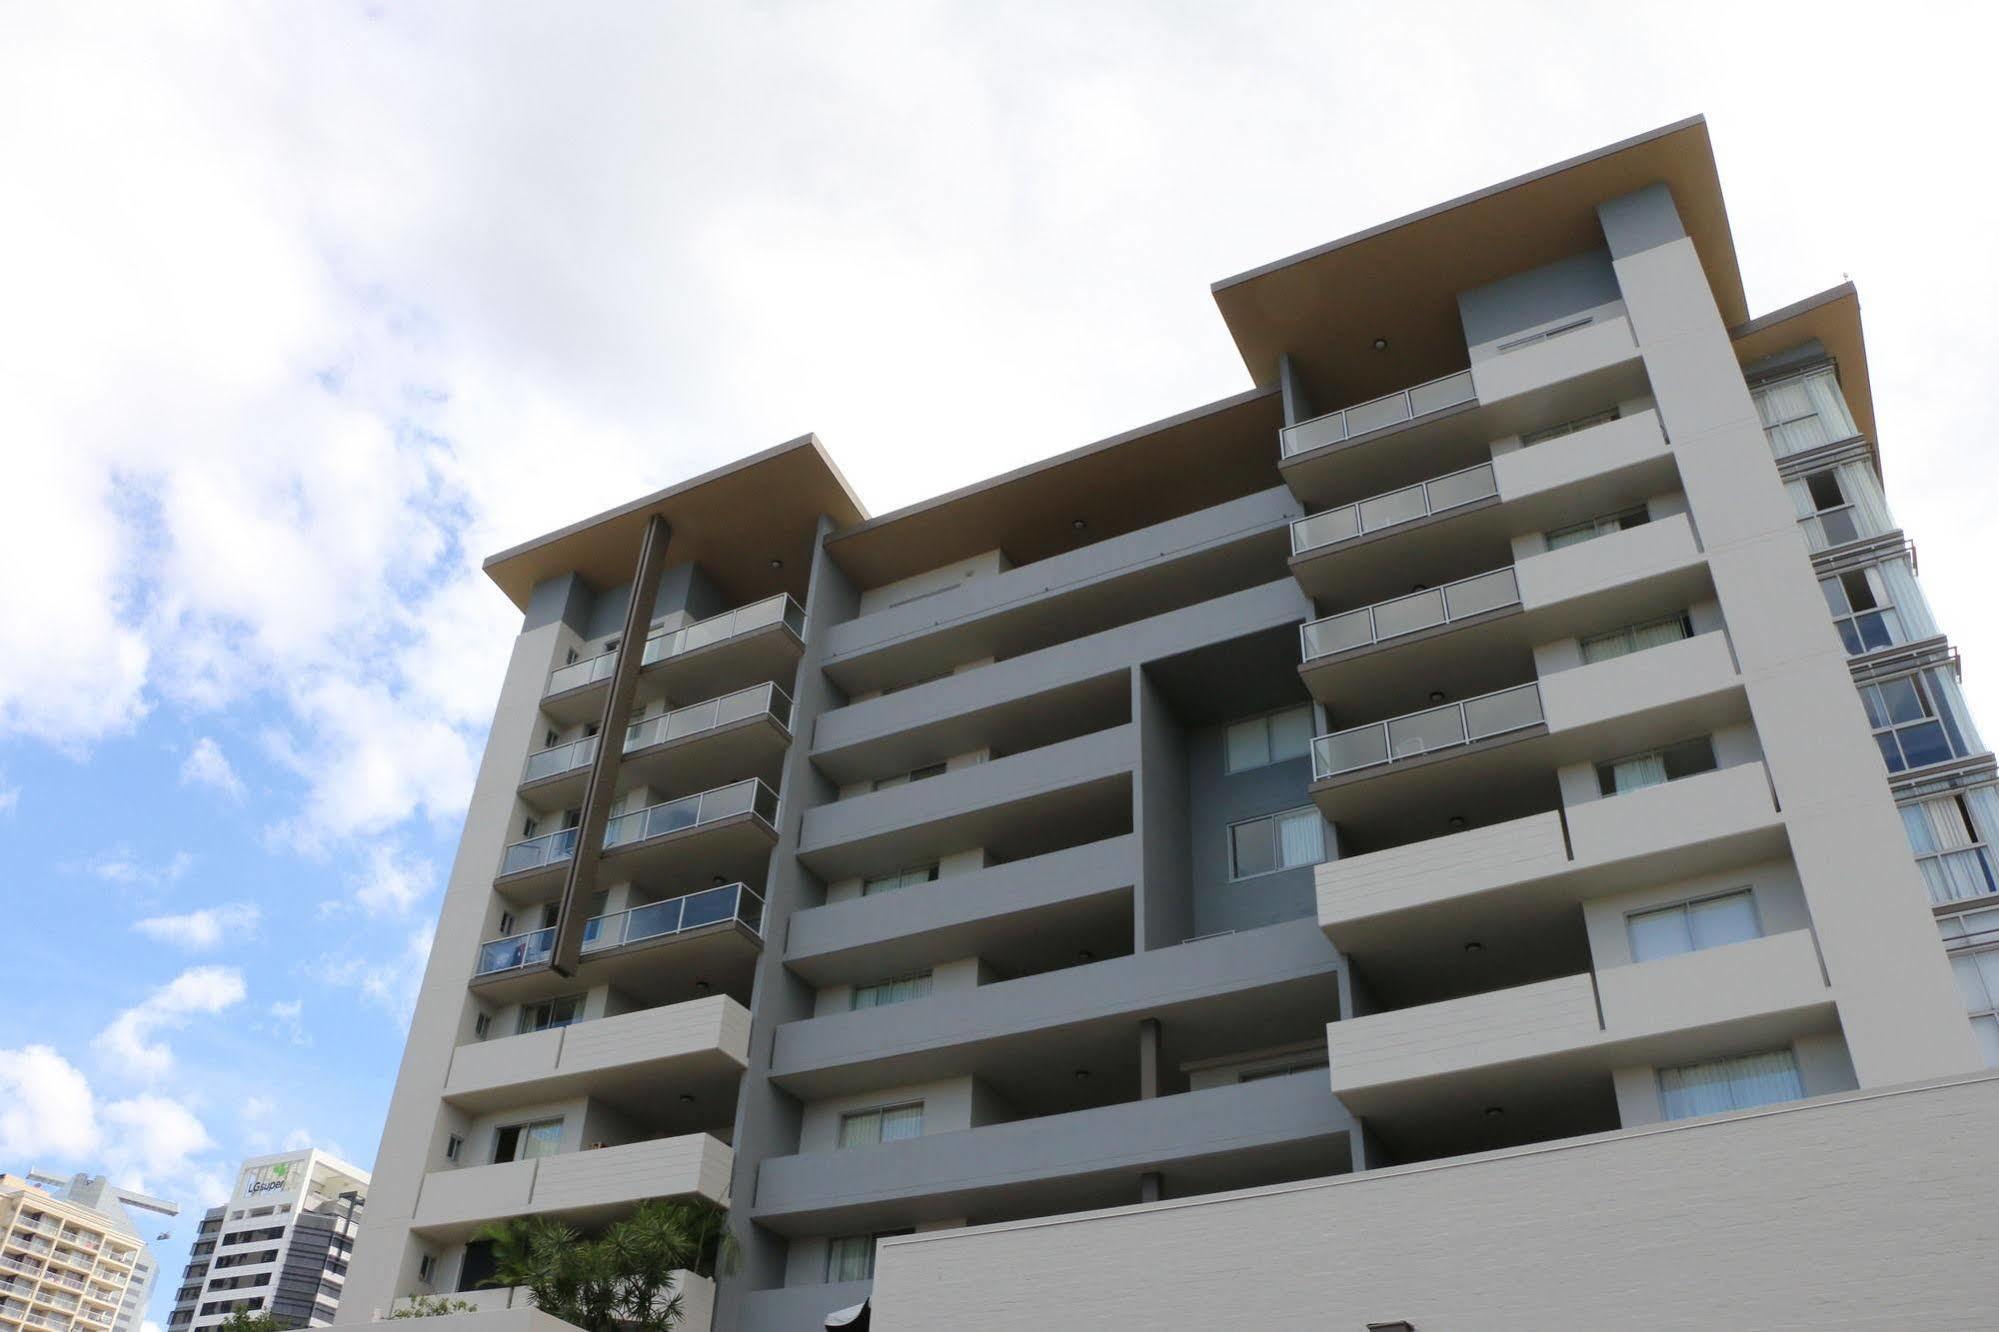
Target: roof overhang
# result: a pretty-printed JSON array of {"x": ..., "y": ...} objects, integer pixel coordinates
[
  {"x": 1833, "y": 318},
  {"x": 1400, "y": 280},
  {"x": 1197, "y": 458},
  {"x": 751, "y": 525}
]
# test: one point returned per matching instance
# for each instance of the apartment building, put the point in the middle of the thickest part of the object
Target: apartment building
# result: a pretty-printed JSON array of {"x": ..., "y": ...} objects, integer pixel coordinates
[
  {"x": 134, "y": 1213},
  {"x": 280, "y": 1246},
  {"x": 1512, "y": 721},
  {"x": 64, "y": 1267}
]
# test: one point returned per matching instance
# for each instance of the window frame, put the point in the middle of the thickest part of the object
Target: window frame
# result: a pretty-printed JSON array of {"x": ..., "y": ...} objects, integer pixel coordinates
[
  {"x": 879, "y": 1113},
  {"x": 1935, "y": 713},
  {"x": 1277, "y": 842},
  {"x": 1685, "y": 906},
  {"x": 1266, "y": 720},
  {"x": 921, "y": 979},
  {"x": 1606, "y": 771},
  {"x": 1629, "y": 633},
  {"x": 523, "y": 1132},
  {"x": 874, "y": 886},
  {"x": 1603, "y": 525},
  {"x": 1571, "y": 427}
]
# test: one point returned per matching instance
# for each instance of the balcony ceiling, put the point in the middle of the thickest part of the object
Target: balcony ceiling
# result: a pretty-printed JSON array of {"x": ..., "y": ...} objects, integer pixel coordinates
[
  {"x": 732, "y": 521},
  {"x": 1400, "y": 280}
]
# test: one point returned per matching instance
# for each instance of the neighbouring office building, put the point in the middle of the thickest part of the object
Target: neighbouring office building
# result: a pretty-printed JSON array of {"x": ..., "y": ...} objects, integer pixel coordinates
[
  {"x": 1503, "y": 753},
  {"x": 280, "y": 1246},
  {"x": 135, "y": 1214},
  {"x": 64, "y": 1267}
]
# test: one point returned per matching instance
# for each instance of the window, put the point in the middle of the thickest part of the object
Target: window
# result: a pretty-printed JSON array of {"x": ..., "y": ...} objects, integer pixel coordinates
[
  {"x": 898, "y": 991},
  {"x": 426, "y": 1268},
  {"x": 1302, "y": 1065},
  {"x": 852, "y": 1257},
  {"x": 1804, "y": 411},
  {"x": 1639, "y": 771},
  {"x": 1637, "y": 637},
  {"x": 915, "y": 775},
  {"x": 1730, "y": 1084},
  {"x": 551, "y": 1013},
  {"x": 1596, "y": 527},
  {"x": 1910, "y": 728},
  {"x": 1689, "y": 927},
  {"x": 453, "y": 1145},
  {"x": 1830, "y": 511},
  {"x": 1547, "y": 333},
  {"x": 1274, "y": 738},
  {"x": 889, "y": 883},
  {"x": 481, "y": 1025},
  {"x": 1862, "y": 610},
  {"x": 525, "y": 1142},
  {"x": 1569, "y": 427},
  {"x": 891, "y": 1123},
  {"x": 1276, "y": 841},
  {"x": 1955, "y": 859}
]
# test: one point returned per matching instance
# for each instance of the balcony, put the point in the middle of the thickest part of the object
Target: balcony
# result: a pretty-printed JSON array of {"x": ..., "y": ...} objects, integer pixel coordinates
[
  {"x": 1262, "y": 1132},
  {"x": 584, "y": 1188},
  {"x": 727, "y": 831},
  {"x": 1104, "y": 585},
  {"x": 1420, "y": 1075},
  {"x": 744, "y": 733},
  {"x": 701, "y": 1046},
  {"x": 760, "y": 641},
  {"x": 1420, "y": 734},
  {"x": 715, "y": 935},
  {"x": 1440, "y": 529},
  {"x": 538, "y": 863}
]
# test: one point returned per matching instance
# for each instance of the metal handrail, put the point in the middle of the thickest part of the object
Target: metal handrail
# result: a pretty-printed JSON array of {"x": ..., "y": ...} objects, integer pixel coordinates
[
  {"x": 779, "y": 609},
  {"x": 1397, "y": 616},
  {"x": 535, "y": 852},
  {"x": 749, "y": 796},
  {"x": 1417, "y": 733},
  {"x": 1377, "y": 413},
  {"x": 1437, "y": 495},
  {"x": 654, "y": 920},
  {"x": 757, "y": 700}
]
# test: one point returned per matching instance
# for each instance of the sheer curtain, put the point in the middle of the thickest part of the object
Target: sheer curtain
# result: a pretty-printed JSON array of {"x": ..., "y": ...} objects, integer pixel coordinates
[
  {"x": 1635, "y": 774},
  {"x": 1805, "y": 412},
  {"x": 1605, "y": 646},
  {"x": 1301, "y": 838},
  {"x": 1863, "y": 491},
  {"x": 1898, "y": 581},
  {"x": 1730, "y": 1084},
  {"x": 901, "y": 1122},
  {"x": 1660, "y": 632}
]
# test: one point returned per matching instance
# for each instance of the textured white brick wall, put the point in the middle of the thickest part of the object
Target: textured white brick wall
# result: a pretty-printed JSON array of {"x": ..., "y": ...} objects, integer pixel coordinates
[{"x": 1861, "y": 1211}]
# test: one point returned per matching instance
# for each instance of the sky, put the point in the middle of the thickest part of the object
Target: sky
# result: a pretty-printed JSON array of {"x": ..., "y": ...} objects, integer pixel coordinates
[{"x": 305, "y": 309}]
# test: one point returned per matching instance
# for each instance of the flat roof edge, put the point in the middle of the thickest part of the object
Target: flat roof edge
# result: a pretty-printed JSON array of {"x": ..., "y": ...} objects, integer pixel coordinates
[
  {"x": 1463, "y": 200},
  {"x": 1751, "y": 327}
]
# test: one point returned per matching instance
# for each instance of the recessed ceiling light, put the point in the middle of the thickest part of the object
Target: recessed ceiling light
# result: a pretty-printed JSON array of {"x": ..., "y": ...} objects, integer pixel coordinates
[
  {"x": 1457, "y": 823},
  {"x": 1381, "y": 344},
  {"x": 702, "y": 987},
  {"x": 1436, "y": 695},
  {"x": 1474, "y": 946},
  {"x": 1077, "y": 524},
  {"x": 776, "y": 563},
  {"x": 1082, "y": 1075},
  {"x": 1495, "y": 1111},
  {"x": 687, "y": 1098},
  {"x": 1085, "y": 955}
]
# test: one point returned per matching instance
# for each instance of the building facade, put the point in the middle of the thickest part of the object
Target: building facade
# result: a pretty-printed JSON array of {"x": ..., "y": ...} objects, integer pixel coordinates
[
  {"x": 280, "y": 1246},
  {"x": 135, "y": 1213},
  {"x": 1514, "y": 719},
  {"x": 64, "y": 1267}
]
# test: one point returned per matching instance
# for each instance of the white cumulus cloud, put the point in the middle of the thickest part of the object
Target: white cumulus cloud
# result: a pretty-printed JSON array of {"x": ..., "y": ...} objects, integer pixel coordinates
[
  {"x": 207, "y": 765},
  {"x": 50, "y": 1115},
  {"x": 202, "y": 930},
  {"x": 129, "y": 1043}
]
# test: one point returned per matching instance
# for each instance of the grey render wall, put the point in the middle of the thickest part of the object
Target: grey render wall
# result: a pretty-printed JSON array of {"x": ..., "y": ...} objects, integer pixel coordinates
[
  {"x": 1816, "y": 1215},
  {"x": 1164, "y": 906},
  {"x": 682, "y": 587},
  {"x": 1565, "y": 287},
  {"x": 1216, "y": 799}
]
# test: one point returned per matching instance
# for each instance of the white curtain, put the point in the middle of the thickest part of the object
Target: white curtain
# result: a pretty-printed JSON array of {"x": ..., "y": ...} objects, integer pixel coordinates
[
  {"x": 850, "y": 1258},
  {"x": 1660, "y": 632},
  {"x": 1635, "y": 774},
  {"x": 1863, "y": 491},
  {"x": 901, "y": 1122},
  {"x": 1301, "y": 838},
  {"x": 1954, "y": 867},
  {"x": 1805, "y": 412},
  {"x": 1730, "y": 1084},
  {"x": 900, "y": 990},
  {"x": 1950, "y": 700},
  {"x": 1605, "y": 646},
  {"x": 1801, "y": 498},
  {"x": 1290, "y": 734},
  {"x": 1898, "y": 588}
]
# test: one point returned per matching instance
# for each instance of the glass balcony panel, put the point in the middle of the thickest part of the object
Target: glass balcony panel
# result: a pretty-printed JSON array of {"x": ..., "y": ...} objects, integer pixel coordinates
[
  {"x": 1337, "y": 633},
  {"x": 1475, "y": 483},
  {"x": 771, "y": 610},
  {"x": 1398, "y": 506},
  {"x": 1405, "y": 615},
  {"x": 579, "y": 673},
  {"x": 720, "y": 804},
  {"x": 1323, "y": 529},
  {"x": 1487, "y": 591},
  {"x": 653, "y": 920},
  {"x": 672, "y": 817},
  {"x": 1507, "y": 710},
  {"x": 537, "y": 851},
  {"x": 743, "y": 703},
  {"x": 710, "y": 907},
  {"x": 750, "y": 909},
  {"x": 1347, "y": 750},
  {"x": 1441, "y": 393},
  {"x": 1388, "y": 411},
  {"x": 1421, "y": 732},
  {"x": 688, "y": 720},
  {"x": 522, "y": 950}
]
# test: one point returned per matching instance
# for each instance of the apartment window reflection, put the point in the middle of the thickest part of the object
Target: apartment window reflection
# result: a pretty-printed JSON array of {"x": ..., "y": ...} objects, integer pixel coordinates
[
  {"x": 889, "y": 1123},
  {"x": 1275, "y": 738},
  {"x": 1911, "y": 725},
  {"x": 852, "y": 1257},
  {"x": 1636, "y": 638},
  {"x": 525, "y": 1142}
]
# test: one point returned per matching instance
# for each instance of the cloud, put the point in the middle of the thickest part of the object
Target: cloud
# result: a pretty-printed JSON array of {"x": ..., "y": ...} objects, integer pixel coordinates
[
  {"x": 392, "y": 885},
  {"x": 49, "y": 1113},
  {"x": 390, "y": 984},
  {"x": 10, "y": 796},
  {"x": 285, "y": 1019},
  {"x": 128, "y": 1042},
  {"x": 199, "y": 931},
  {"x": 120, "y": 866},
  {"x": 207, "y": 765}
]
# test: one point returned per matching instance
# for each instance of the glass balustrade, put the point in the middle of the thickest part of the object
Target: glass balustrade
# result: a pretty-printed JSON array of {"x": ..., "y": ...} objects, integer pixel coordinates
[
  {"x": 576, "y": 674},
  {"x": 1437, "y": 495},
  {"x": 1408, "y": 614},
  {"x": 560, "y": 759},
  {"x": 519, "y": 950},
  {"x": 535, "y": 852},
  {"x": 655, "y": 920},
  {"x": 757, "y": 700},
  {"x": 744, "y": 797},
  {"x": 780, "y": 609},
  {"x": 1379, "y": 413},
  {"x": 1426, "y": 732}
]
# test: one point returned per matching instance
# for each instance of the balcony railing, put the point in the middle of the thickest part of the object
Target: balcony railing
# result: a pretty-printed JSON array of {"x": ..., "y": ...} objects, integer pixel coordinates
[
  {"x": 757, "y": 700},
  {"x": 535, "y": 852},
  {"x": 1405, "y": 615},
  {"x": 1426, "y": 732},
  {"x": 1404, "y": 405},
  {"x": 1437, "y": 495},
  {"x": 655, "y": 920},
  {"x": 750, "y": 796},
  {"x": 780, "y": 609}
]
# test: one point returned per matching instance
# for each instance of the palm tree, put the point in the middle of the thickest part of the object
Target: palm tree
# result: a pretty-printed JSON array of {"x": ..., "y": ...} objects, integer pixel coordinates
[{"x": 622, "y": 1280}]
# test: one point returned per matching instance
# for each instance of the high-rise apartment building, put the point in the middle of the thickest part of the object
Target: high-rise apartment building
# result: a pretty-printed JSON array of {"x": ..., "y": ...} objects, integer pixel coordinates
[
  {"x": 64, "y": 1267},
  {"x": 136, "y": 1214},
  {"x": 1442, "y": 748},
  {"x": 280, "y": 1246}
]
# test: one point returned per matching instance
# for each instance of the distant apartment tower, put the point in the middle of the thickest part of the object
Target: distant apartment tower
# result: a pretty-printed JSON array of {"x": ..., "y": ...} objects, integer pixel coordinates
[
  {"x": 1509, "y": 721},
  {"x": 64, "y": 1267},
  {"x": 138, "y": 1215},
  {"x": 281, "y": 1244}
]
